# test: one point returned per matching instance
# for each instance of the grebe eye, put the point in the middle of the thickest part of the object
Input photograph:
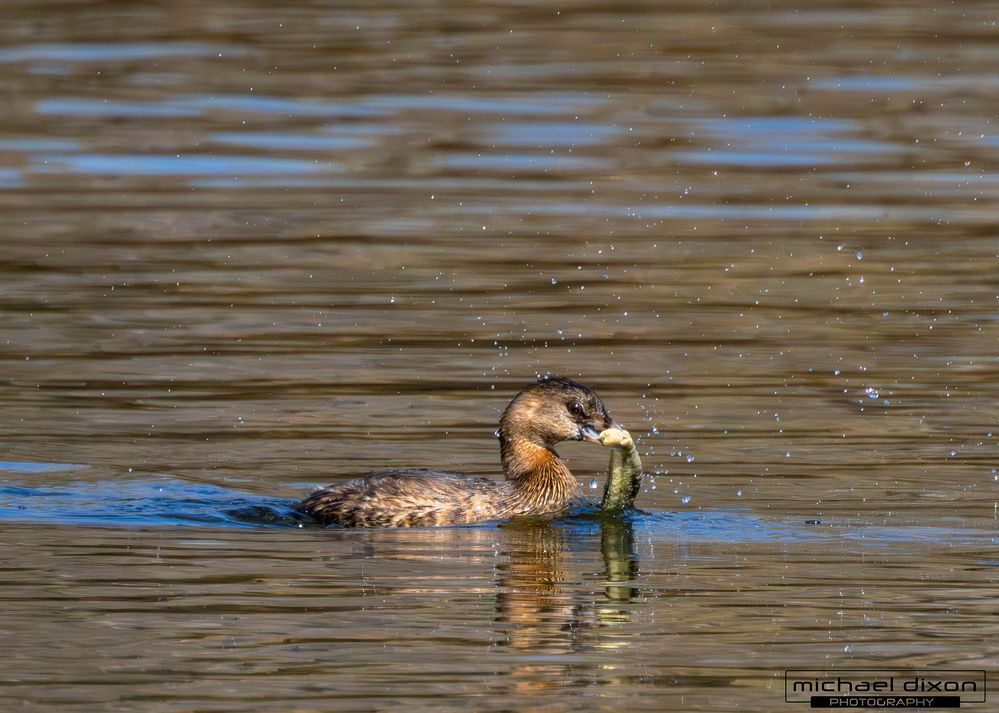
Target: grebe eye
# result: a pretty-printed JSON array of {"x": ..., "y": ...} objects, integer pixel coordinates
[{"x": 576, "y": 409}]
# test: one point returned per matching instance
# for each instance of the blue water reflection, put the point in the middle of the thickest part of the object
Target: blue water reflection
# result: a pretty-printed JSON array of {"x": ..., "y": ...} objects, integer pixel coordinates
[
  {"x": 108, "y": 51},
  {"x": 791, "y": 142},
  {"x": 85, "y": 107},
  {"x": 10, "y": 178},
  {"x": 525, "y": 162},
  {"x": 291, "y": 142},
  {"x": 198, "y": 105},
  {"x": 35, "y": 467},
  {"x": 30, "y": 144},
  {"x": 528, "y": 104},
  {"x": 174, "y": 165},
  {"x": 550, "y": 104},
  {"x": 871, "y": 83},
  {"x": 550, "y": 133},
  {"x": 167, "y": 503}
]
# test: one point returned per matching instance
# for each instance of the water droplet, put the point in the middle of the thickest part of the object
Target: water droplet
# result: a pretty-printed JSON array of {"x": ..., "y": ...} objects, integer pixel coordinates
[
  {"x": 859, "y": 255},
  {"x": 787, "y": 454},
  {"x": 690, "y": 458},
  {"x": 685, "y": 499},
  {"x": 836, "y": 372},
  {"x": 738, "y": 493},
  {"x": 392, "y": 299},
  {"x": 554, "y": 281},
  {"x": 871, "y": 392},
  {"x": 130, "y": 469},
  {"x": 593, "y": 484},
  {"x": 953, "y": 453}
]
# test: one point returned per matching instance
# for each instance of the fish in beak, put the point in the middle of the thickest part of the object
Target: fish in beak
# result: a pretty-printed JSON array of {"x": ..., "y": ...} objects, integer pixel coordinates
[{"x": 591, "y": 433}]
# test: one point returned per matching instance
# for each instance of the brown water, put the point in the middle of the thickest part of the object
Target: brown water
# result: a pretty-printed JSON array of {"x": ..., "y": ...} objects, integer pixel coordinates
[{"x": 250, "y": 249}]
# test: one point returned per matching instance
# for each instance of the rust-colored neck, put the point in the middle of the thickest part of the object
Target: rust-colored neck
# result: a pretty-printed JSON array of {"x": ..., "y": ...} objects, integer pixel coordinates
[{"x": 541, "y": 479}]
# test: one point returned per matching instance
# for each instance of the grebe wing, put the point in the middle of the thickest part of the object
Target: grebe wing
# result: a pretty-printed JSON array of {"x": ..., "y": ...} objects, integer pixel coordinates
[{"x": 404, "y": 497}]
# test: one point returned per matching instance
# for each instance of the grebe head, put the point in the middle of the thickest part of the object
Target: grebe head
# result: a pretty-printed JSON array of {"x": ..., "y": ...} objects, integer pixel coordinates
[{"x": 555, "y": 409}]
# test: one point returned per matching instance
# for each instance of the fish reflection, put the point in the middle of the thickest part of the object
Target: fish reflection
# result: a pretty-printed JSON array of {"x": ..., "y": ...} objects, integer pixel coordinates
[
  {"x": 538, "y": 607},
  {"x": 540, "y": 610}
]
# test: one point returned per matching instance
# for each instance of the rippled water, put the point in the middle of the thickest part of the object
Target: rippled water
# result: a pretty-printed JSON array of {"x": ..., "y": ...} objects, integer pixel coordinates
[{"x": 250, "y": 249}]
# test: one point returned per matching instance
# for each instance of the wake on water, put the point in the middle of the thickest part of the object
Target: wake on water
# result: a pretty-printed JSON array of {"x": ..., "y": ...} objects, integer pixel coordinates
[{"x": 171, "y": 503}]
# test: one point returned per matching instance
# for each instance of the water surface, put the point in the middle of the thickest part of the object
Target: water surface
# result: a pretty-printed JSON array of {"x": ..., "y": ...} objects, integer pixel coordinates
[{"x": 248, "y": 250}]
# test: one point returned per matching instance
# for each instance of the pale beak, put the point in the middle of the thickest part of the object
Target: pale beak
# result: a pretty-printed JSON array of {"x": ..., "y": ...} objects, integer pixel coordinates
[{"x": 589, "y": 433}]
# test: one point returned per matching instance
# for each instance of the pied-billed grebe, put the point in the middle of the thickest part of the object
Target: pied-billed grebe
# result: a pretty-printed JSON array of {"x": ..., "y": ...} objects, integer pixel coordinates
[{"x": 537, "y": 481}]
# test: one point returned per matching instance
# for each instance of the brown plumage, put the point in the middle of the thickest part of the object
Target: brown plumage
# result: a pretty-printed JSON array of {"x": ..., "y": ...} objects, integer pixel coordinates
[{"x": 537, "y": 481}]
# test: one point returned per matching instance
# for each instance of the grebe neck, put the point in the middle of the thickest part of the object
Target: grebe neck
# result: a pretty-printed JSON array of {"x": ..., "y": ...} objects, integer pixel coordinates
[{"x": 537, "y": 472}]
